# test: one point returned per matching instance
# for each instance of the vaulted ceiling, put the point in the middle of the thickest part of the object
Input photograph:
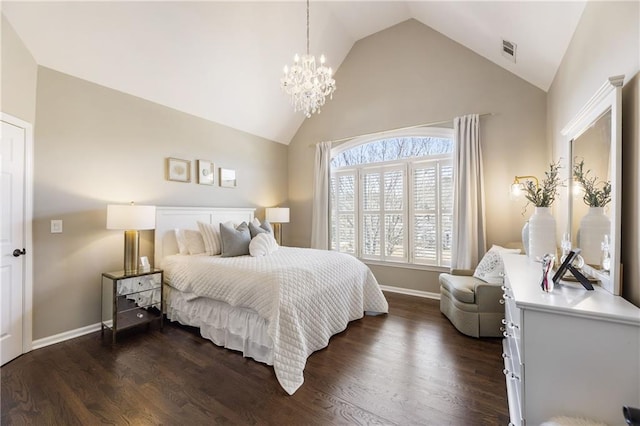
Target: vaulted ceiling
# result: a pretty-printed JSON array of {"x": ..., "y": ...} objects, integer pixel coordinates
[{"x": 223, "y": 60}]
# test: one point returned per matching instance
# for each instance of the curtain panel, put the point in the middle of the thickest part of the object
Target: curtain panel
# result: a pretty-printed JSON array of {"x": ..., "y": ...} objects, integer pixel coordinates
[
  {"x": 320, "y": 212},
  {"x": 469, "y": 227}
]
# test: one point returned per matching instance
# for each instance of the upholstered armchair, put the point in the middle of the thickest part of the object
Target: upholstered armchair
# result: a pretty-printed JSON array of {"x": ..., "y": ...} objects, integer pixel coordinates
[{"x": 471, "y": 304}]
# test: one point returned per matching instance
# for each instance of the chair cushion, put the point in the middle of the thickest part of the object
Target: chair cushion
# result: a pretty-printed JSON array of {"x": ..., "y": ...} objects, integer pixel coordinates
[{"x": 460, "y": 287}]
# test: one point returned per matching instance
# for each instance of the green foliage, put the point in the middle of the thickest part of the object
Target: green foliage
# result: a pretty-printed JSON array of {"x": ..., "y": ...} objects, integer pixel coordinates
[
  {"x": 545, "y": 194},
  {"x": 593, "y": 195}
]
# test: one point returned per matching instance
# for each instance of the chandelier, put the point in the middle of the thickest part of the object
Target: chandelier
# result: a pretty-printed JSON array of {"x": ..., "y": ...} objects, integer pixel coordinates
[{"x": 307, "y": 83}]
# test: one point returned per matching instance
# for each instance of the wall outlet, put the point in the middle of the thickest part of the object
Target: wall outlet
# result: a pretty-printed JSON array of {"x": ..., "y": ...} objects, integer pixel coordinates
[{"x": 56, "y": 226}]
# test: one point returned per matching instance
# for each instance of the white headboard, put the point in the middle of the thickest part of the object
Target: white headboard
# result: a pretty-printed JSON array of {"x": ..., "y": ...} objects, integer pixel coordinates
[{"x": 170, "y": 218}]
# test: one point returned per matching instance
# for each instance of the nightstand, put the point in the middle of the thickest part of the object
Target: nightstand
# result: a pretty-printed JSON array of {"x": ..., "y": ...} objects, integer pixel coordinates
[{"x": 130, "y": 300}]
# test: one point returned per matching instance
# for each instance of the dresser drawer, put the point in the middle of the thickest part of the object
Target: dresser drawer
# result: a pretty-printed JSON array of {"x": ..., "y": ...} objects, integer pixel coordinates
[
  {"x": 512, "y": 319},
  {"x": 512, "y": 371}
]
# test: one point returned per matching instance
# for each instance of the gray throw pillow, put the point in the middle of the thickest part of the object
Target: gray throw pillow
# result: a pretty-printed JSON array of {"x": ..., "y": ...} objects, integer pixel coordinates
[
  {"x": 235, "y": 241},
  {"x": 264, "y": 228}
]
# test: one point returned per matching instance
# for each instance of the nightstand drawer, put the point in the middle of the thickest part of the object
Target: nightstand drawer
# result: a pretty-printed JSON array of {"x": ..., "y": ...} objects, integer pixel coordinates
[{"x": 138, "y": 284}]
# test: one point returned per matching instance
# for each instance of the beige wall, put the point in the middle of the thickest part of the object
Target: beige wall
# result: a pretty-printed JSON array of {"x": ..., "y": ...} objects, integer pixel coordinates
[
  {"x": 95, "y": 146},
  {"x": 606, "y": 43},
  {"x": 410, "y": 74},
  {"x": 19, "y": 71}
]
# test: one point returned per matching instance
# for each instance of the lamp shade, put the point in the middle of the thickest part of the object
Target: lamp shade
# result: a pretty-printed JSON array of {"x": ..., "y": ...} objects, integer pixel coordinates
[
  {"x": 131, "y": 217},
  {"x": 277, "y": 214}
]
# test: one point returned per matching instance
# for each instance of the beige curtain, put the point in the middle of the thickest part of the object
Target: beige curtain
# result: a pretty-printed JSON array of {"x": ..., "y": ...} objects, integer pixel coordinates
[
  {"x": 469, "y": 228},
  {"x": 320, "y": 212}
]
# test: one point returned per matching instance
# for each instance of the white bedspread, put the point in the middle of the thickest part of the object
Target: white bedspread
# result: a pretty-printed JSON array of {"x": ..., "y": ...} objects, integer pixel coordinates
[{"x": 306, "y": 295}]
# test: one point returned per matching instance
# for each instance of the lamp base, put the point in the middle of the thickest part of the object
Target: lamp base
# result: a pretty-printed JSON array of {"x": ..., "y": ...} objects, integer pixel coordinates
[
  {"x": 277, "y": 232},
  {"x": 131, "y": 247}
]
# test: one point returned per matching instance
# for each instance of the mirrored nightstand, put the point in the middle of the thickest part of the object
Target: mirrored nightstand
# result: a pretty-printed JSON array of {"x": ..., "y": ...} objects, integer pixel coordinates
[{"x": 130, "y": 300}]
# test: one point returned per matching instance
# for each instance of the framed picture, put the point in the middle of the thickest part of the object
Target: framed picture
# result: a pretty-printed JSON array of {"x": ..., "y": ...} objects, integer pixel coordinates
[
  {"x": 227, "y": 178},
  {"x": 145, "y": 266},
  {"x": 205, "y": 172},
  {"x": 178, "y": 170}
]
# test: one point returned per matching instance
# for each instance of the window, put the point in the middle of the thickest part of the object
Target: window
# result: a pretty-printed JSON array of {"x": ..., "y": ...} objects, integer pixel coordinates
[{"x": 392, "y": 199}]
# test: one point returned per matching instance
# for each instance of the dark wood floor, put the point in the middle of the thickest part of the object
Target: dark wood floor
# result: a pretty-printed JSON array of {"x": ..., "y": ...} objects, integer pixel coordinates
[{"x": 408, "y": 367}]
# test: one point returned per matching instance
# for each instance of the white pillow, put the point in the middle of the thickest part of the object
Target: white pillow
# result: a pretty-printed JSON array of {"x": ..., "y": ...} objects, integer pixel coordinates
[
  {"x": 262, "y": 245},
  {"x": 181, "y": 239},
  {"x": 491, "y": 268},
  {"x": 211, "y": 236},
  {"x": 194, "y": 241}
]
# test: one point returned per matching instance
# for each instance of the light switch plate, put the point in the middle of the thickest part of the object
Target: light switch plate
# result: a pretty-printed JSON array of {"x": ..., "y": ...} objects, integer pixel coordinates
[{"x": 56, "y": 226}]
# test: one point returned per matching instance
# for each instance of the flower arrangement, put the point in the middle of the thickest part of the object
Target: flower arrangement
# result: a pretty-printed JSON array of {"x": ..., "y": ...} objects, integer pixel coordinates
[
  {"x": 545, "y": 194},
  {"x": 596, "y": 194}
]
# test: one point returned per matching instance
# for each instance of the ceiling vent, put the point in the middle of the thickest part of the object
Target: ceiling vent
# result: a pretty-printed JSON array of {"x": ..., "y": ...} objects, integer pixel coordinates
[{"x": 509, "y": 50}]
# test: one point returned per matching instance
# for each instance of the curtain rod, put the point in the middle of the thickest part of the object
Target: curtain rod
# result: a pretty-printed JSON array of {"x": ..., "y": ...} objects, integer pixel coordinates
[{"x": 435, "y": 123}]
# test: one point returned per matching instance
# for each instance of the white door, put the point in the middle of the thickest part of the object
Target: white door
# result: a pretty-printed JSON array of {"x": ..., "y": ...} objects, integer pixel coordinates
[{"x": 12, "y": 240}]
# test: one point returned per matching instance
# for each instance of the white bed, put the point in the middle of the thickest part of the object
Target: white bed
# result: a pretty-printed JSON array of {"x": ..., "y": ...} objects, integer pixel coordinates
[{"x": 276, "y": 309}]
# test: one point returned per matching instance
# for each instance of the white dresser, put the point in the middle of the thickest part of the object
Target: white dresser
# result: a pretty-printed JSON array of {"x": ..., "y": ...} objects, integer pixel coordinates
[{"x": 571, "y": 352}]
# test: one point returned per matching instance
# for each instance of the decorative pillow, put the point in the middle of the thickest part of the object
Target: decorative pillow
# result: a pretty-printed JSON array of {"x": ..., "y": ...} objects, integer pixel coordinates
[
  {"x": 211, "y": 236},
  {"x": 262, "y": 245},
  {"x": 235, "y": 241},
  {"x": 259, "y": 228},
  {"x": 194, "y": 241},
  {"x": 182, "y": 241},
  {"x": 491, "y": 268}
]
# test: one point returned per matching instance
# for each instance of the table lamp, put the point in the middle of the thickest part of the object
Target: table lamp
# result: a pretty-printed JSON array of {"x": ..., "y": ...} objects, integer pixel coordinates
[
  {"x": 131, "y": 218},
  {"x": 277, "y": 216}
]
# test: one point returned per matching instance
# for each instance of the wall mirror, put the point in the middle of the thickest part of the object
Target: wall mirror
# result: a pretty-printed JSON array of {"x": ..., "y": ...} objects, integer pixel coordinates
[{"x": 594, "y": 138}]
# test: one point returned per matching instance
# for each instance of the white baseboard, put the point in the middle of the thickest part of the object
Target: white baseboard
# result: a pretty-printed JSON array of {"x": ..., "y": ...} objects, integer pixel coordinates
[
  {"x": 410, "y": 292},
  {"x": 71, "y": 334}
]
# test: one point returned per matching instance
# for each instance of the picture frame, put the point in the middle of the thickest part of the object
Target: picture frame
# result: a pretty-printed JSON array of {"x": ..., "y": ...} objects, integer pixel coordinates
[
  {"x": 227, "y": 178},
  {"x": 145, "y": 266},
  {"x": 178, "y": 170},
  {"x": 206, "y": 172}
]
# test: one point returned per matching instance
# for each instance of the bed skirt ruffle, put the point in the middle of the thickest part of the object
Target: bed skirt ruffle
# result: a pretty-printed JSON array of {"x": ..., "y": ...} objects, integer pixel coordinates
[{"x": 239, "y": 329}]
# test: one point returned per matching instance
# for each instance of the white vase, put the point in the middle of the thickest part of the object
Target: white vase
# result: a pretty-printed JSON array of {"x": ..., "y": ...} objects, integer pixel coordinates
[
  {"x": 593, "y": 227},
  {"x": 525, "y": 237},
  {"x": 542, "y": 233}
]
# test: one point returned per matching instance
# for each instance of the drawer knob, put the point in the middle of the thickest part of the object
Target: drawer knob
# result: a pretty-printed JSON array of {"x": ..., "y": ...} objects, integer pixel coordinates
[
  {"x": 501, "y": 301},
  {"x": 510, "y": 375}
]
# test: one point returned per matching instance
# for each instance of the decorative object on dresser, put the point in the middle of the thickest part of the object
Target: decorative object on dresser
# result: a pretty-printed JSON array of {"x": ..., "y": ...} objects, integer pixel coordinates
[
  {"x": 567, "y": 265},
  {"x": 131, "y": 218},
  {"x": 205, "y": 172},
  {"x": 130, "y": 300},
  {"x": 569, "y": 353},
  {"x": 178, "y": 170},
  {"x": 471, "y": 299},
  {"x": 594, "y": 142},
  {"x": 547, "y": 281},
  {"x": 541, "y": 225},
  {"x": 277, "y": 216}
]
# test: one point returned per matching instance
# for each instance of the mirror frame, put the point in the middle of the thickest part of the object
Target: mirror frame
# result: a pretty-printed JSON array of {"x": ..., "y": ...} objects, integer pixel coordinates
[{"x": 607, "y": 98}]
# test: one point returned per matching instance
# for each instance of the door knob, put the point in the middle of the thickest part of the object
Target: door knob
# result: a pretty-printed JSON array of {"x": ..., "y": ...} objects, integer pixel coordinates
[{"x": 18, "y": 252}]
